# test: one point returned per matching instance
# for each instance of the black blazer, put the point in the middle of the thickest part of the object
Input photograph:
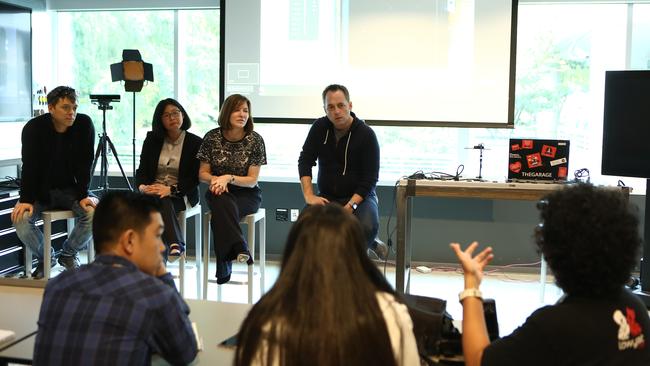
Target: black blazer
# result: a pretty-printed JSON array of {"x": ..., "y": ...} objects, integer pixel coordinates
[
  {"x": 37, "y": 144},
  {"x": 188, "y": 169}
]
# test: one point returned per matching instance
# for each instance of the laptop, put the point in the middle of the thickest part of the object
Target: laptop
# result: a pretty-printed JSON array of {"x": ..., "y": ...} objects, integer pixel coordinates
[{"x": 537, "y": 160}]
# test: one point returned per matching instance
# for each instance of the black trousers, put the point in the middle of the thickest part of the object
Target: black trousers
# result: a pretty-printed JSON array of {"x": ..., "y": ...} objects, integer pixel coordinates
[
  {"x": 227, "y": 211},
  {"x": 171, "y": 206}
]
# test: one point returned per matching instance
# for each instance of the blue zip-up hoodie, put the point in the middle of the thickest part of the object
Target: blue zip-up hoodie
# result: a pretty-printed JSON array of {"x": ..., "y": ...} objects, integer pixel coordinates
[{"x": 344, "y": 168}]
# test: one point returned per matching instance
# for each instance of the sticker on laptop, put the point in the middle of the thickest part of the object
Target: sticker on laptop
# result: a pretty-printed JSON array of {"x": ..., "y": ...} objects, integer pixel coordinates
[
  {"x": 558, "y": 161},
  {"x": 549, "y": 151},
  {"x": 534, "y": 160}
]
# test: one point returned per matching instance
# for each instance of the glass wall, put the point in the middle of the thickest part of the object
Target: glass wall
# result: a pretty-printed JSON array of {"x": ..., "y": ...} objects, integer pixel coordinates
[
  {"x": 563, "y": 51},
  {"x": 182, "y": 46}
]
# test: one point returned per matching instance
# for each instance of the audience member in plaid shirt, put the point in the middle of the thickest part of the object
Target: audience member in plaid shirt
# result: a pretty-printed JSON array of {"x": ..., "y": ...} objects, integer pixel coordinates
[{"x": 124, "y": 306}]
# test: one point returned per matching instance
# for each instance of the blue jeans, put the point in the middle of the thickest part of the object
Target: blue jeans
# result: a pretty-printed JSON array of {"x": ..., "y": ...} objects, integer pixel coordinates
[
  {"x": 78, "y": 239},
  {"x": 367, "y": 213}
]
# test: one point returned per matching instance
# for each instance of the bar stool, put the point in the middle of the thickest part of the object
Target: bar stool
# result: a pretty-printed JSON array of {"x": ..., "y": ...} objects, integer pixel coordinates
[
  {"x": 49, "y": 217},
  {"x": 183, "y": 216},
  {"x": 250, "y": 220}
]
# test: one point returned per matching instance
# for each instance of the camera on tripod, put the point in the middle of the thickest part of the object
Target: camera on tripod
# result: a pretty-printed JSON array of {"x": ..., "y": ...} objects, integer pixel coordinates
[
  {"x": 103, "y": 100},
  {"x": 105, "y": 143}
]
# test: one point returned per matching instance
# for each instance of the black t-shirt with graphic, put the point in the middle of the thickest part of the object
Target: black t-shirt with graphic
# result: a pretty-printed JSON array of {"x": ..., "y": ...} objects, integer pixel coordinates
[
  {"x": 578, "y": 331},
  {"x": 232, "y": 157}
]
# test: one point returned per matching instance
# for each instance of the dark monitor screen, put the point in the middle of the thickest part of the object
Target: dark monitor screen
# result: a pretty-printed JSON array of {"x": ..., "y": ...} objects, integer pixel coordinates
[{"x": 626, "y": 124}]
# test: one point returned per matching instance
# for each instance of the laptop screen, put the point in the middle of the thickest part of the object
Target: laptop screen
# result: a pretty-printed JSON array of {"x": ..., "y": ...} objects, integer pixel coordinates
[{"x": 536, "y": 160}]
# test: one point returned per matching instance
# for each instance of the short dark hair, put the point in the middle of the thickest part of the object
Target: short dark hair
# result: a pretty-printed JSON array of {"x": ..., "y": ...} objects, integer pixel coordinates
[
  {"x": 323, "y": 306},
  {"x": 229, "y": 105},
  {"x": 336, "y": 87},
  {"x": 59, "y": 93},
  {"x": 590, "y": 238},
  {"x": 156, "y": 121},
  {"x": 119, "y": 211}
]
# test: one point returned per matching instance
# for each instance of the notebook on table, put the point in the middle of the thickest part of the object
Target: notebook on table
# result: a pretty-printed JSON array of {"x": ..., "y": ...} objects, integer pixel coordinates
[{"x": 538, "y": 160}]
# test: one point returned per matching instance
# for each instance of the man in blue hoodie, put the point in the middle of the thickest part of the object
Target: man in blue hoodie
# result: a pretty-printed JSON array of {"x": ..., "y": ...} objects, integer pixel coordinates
[{"x": 348, "y": 163}]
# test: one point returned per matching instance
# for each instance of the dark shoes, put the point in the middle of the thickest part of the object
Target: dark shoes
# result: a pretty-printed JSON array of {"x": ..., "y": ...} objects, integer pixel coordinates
[
  {"x": 69, "y": 262},
  {"x": 380, "y": 251},
  {"x": 39, "y": 272}
]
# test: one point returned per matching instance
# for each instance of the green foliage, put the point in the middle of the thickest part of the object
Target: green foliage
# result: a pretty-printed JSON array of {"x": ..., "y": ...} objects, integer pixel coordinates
[
  {"x": 98, "y": 39},
  {"x": 552, "y": 74}
]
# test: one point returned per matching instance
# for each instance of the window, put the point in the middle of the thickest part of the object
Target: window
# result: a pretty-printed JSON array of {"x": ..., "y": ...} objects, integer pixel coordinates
[
  {"x": 561, "y": 66},
  {"x": 87, "y": 43}
]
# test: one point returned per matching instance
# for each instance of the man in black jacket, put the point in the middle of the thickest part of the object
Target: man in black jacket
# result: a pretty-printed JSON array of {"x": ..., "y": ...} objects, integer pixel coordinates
[
  {"x": 57, "y": 154},
  {"x": 348, "y": 163}
]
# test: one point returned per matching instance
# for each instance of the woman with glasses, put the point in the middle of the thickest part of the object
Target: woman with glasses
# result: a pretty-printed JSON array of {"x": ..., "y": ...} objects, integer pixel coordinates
[
  {"x": 231, "y": 157},
  {"x": 169, "y": 169}
]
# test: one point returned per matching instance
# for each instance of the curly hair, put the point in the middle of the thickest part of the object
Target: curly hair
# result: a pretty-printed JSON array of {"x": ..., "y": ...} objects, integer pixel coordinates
[{"x": 590, "y": 238}]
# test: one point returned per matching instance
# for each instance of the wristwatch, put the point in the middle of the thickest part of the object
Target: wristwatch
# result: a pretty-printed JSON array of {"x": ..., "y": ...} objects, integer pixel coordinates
[
  {"x": 353, "y": 205},
  {"x": 470, "y": 292}
]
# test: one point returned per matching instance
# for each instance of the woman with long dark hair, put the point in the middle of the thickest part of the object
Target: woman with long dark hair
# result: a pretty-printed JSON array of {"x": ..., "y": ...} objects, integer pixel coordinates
[
  {"x": 169, "y": 169},
  {"x": 330, "y": 305}
]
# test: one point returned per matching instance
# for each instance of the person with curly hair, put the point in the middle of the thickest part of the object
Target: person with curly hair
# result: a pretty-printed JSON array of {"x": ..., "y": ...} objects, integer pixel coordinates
[
  {"x": 334, "y": 309},
  {"x": 590, "y": 238}
]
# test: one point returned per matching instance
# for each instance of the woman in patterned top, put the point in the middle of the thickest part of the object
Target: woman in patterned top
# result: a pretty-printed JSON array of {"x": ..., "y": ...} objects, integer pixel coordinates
[{"x": 231, "y": 157}]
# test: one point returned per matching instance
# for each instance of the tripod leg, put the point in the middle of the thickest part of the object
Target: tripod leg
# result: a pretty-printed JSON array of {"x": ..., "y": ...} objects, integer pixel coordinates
[
  {"x": 101, "y": 154},
  {"x": 110, "y": 143},
  {"x": 97, "y": 153}
]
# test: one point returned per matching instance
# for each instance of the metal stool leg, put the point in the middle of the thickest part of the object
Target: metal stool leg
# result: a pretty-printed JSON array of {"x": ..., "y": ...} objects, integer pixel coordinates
[
  {"x": 250, "y": 221},
  {"x": 47, "y": 244},
  {"x": 206, "y": 252},
  {"x": 197, "y": 250},
  {"x": 262, "y": 260}
]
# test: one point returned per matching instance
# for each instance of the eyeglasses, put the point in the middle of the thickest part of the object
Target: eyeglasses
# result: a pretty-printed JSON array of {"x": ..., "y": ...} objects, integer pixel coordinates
[{"x": 175, "y": 114}]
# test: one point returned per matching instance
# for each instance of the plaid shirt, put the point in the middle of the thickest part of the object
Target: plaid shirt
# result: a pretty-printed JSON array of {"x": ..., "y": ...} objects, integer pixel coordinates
[{"x": 111, "y": 313}]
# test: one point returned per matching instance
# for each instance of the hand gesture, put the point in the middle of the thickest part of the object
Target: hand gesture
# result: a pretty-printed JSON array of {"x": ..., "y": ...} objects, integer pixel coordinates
[
  {"x": 472, "y": 266},
  {"x": 316, "y": 200},
  {"x": 89, "y": 203},
  {"x": 20, "y": 209},
  {"x": 219, "y": 184},
  {"x": 157, "y": 189}
]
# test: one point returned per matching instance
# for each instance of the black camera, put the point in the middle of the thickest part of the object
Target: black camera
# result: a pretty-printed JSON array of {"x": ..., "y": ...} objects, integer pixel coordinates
[{"x": 102, "y": 100}]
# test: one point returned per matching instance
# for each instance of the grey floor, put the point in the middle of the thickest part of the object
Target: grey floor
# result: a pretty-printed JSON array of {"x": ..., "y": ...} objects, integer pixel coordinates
[{"x": 516, "y": 295}]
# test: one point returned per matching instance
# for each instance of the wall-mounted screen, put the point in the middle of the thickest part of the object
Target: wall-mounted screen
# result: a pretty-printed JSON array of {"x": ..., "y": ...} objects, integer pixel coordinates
[
  {"x": 15, "y": 63},
  {"x": 404, "y": 62}
]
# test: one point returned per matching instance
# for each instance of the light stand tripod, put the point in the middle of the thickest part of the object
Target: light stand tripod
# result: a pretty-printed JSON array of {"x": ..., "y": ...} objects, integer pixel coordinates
[{"x": 105, "y": 143}]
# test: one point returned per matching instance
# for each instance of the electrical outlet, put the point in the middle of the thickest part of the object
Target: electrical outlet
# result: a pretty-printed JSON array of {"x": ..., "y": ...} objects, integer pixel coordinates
[
  {"x": 294, "y": 214},
  {"x": 281, "y": 214}
]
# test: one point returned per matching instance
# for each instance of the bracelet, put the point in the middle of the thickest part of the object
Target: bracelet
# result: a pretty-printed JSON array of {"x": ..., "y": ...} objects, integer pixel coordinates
[
  {"x": 470, "y": 292},
  {"x": 232, "y": 179}
]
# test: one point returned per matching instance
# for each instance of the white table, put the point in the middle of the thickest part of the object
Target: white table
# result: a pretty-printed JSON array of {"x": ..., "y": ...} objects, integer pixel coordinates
[
  {"x": 216, "y": 321},
  {"x": 19, "y": 307},
  {"x": 410, "y": 188}
]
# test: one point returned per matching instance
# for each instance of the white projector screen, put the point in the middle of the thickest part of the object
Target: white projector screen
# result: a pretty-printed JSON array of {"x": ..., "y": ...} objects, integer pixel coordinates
[{"x": 412, "y": 62}]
